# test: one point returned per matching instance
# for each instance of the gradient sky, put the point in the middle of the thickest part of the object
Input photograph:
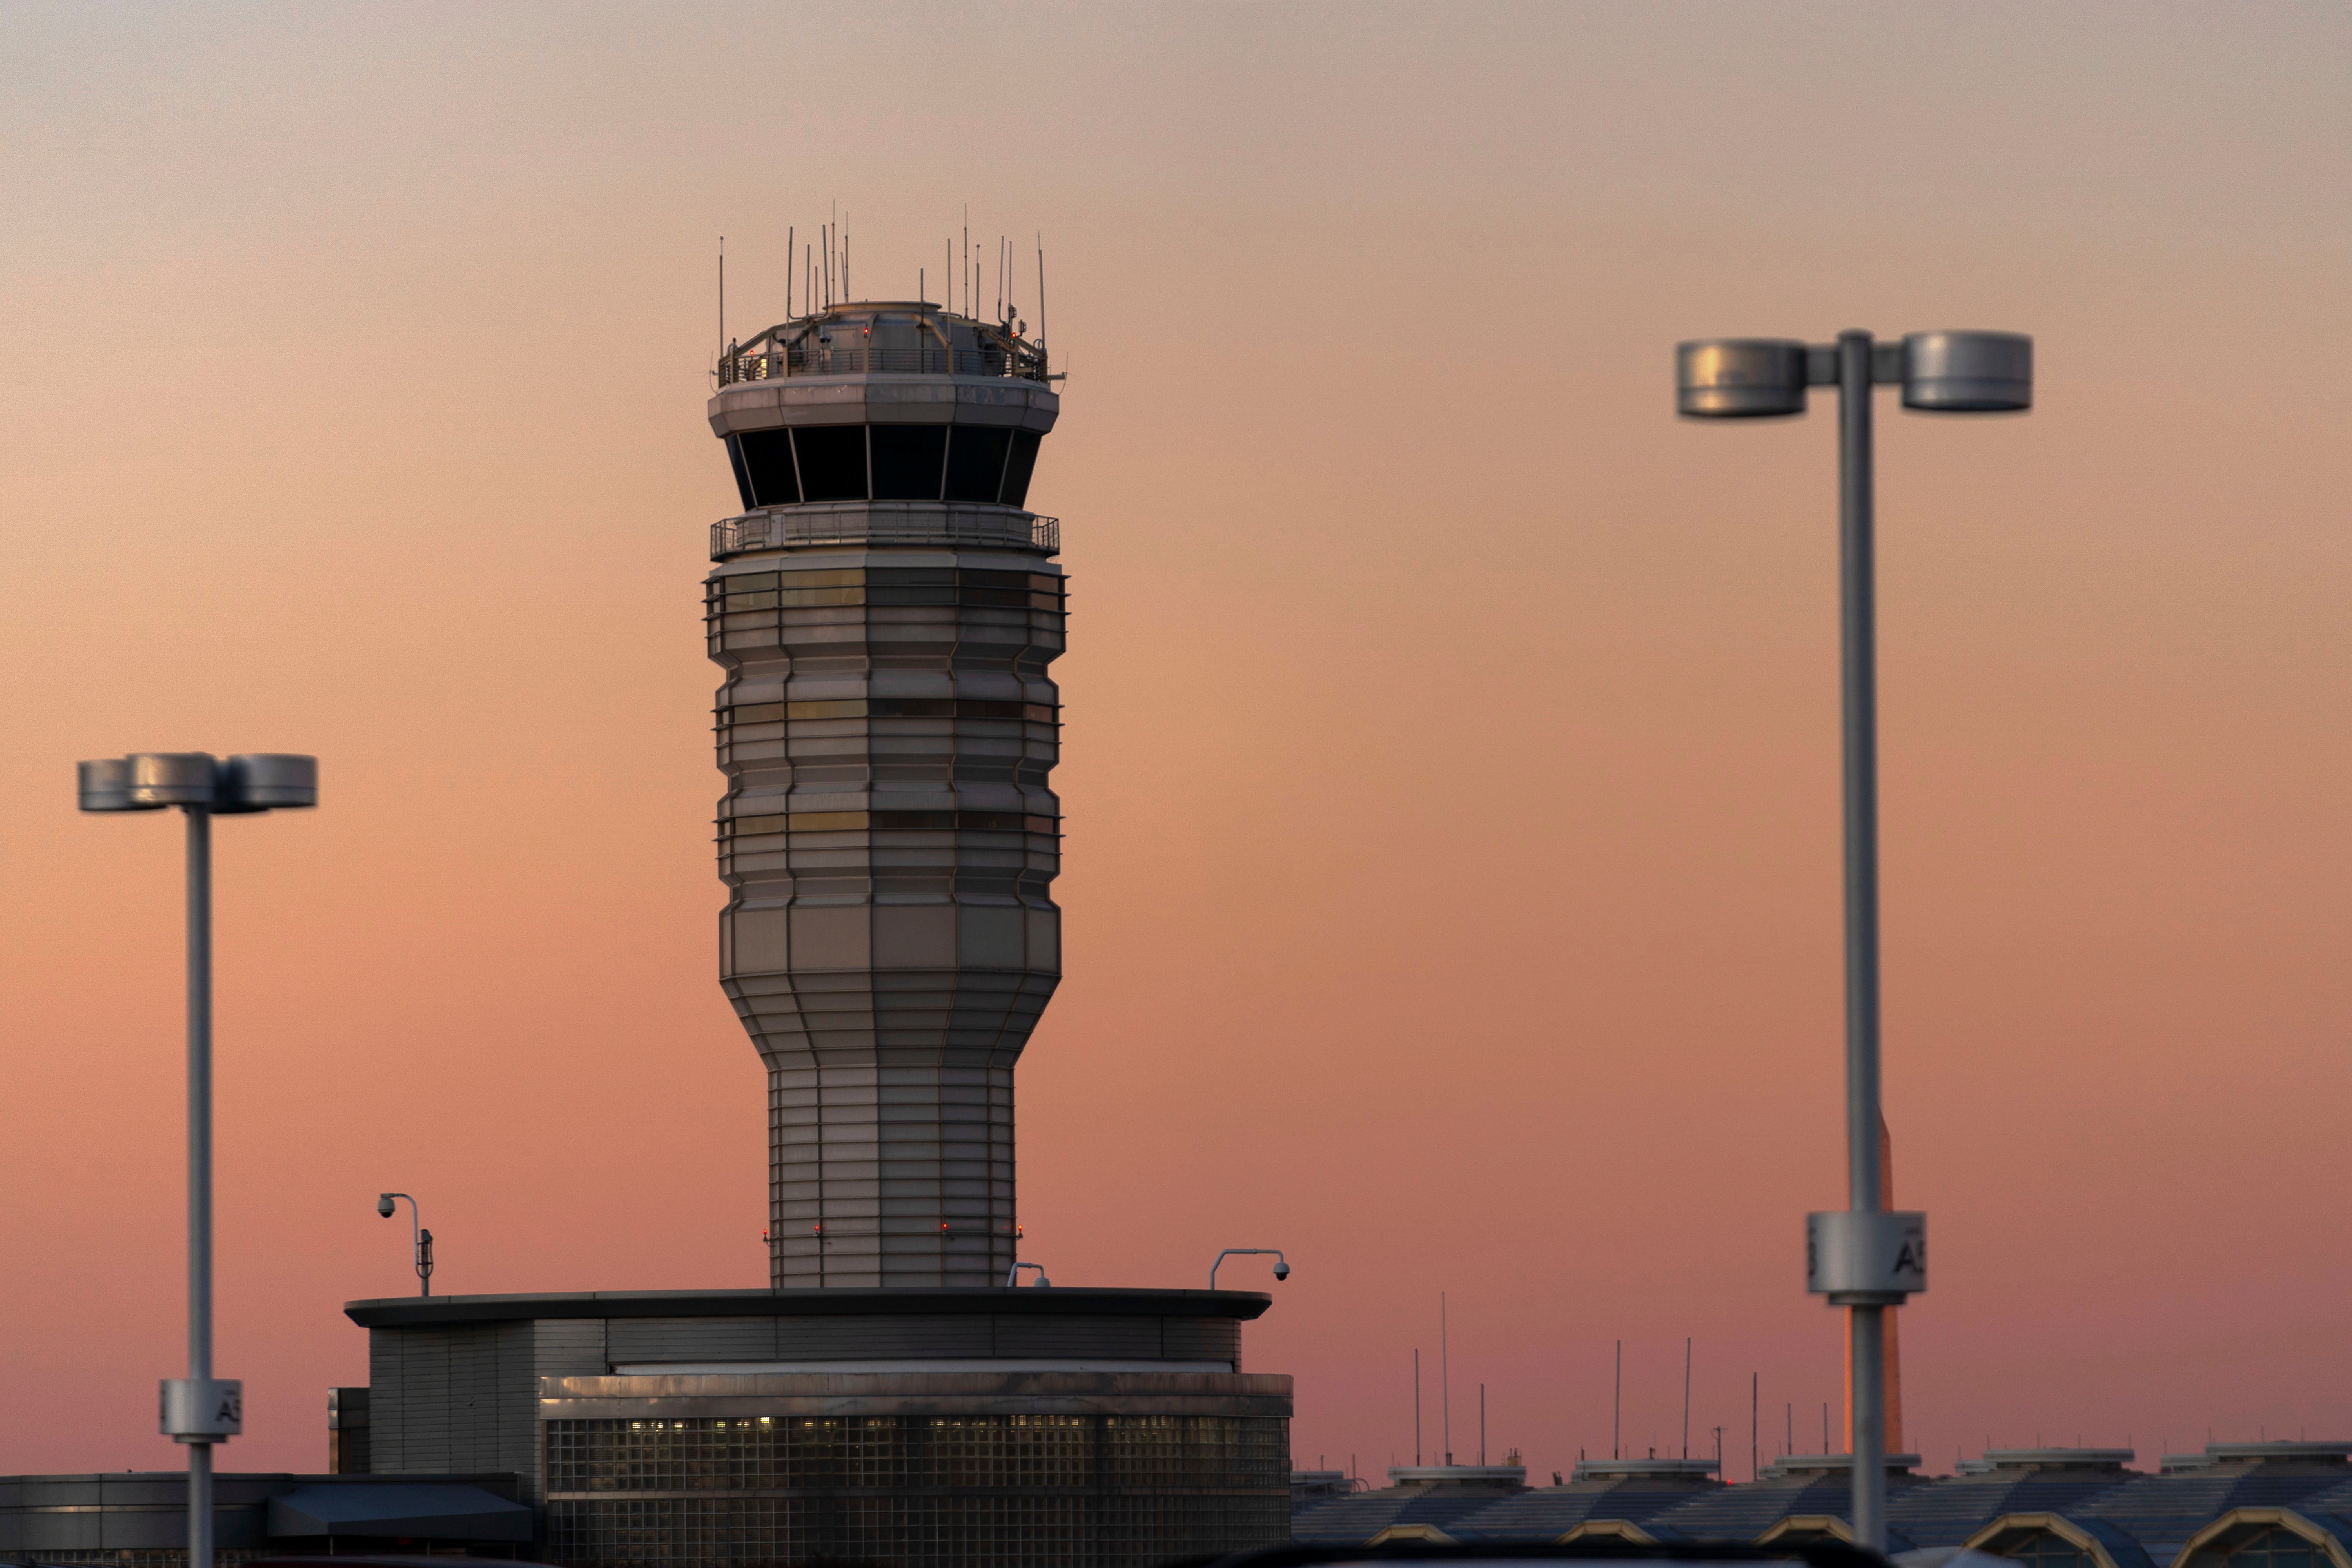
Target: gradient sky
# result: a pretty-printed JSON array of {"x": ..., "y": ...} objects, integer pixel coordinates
[{"x": 1452, "y": 869}]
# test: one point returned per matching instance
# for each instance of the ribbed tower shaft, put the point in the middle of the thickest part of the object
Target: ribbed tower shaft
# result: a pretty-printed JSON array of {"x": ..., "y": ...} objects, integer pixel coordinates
[{"x": 887, "y": 727}]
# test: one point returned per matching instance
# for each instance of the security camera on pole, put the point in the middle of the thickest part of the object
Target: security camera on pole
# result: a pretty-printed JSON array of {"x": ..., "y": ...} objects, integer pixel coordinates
[
  {"x": 200, "y": 1409},
  {"x": 1281, "y": 1264},
  {"x": 420, "y": 1240},
  {"x": 1861, "y": 1258}
]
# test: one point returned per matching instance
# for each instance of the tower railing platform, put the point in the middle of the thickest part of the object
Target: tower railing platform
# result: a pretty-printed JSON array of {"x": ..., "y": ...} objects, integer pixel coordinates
[
  {"x": 862, "y": 358},
  {"x": 884, "y": 522}
]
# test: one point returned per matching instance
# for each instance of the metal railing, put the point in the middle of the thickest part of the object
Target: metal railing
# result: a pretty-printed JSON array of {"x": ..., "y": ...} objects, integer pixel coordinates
[
  {"x": 789, "y": 527},
  {"x": 861, "y": 358}
]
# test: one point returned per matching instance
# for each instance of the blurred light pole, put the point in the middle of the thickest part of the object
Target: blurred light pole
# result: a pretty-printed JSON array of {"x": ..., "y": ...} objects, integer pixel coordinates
[
  {"x": 1861, "y": 1258},
  {"x": 420, "y": 1241},
  {"x": 199, "y": 1409}
]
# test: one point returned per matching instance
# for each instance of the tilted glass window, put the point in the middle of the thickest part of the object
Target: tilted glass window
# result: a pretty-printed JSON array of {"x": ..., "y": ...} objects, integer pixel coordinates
[
  {"x": 767, "y": 467},
  {"x": 976, "y": 463},
  {"x": 1020, "y": 466},
  {"x": 969, "y": 463},
  {"x": 742, "y": 475},
  {"x": 832, "y": 461},
  {"x": 907, "y": 460}
]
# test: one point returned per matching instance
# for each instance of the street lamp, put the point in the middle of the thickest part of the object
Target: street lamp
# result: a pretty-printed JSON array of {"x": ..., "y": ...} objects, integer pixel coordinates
[
  {"x": 420, "y": 1241},
  {"x": 200, "y": 1410},
  {"x": 1861, "y": 1258},
  {"x": 1281, "y": 1264}
]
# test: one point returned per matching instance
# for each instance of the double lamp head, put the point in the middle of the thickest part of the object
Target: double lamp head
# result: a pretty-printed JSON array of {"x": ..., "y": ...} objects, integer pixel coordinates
[
  {"x": 1941, "y": 373},
  {"x": 150, "y": 781}
]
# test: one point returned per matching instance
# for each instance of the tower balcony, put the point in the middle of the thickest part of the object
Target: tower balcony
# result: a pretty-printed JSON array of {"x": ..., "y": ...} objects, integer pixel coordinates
[
  {"x": 887, "y": 337},
  {"x": 884, "y": 522}
]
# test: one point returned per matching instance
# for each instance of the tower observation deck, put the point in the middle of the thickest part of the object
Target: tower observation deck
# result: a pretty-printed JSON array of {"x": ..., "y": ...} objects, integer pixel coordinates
[{"x": 885, "y": 610}]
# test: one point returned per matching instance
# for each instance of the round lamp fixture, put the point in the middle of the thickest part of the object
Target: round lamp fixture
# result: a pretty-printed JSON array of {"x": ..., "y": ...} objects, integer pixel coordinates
[
  {"x": 1739, "y": 378},
  {"x": 1967, "y": 373}
]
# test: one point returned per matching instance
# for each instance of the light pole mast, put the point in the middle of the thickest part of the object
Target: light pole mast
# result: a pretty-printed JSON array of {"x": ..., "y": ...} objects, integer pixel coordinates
[
  {"x": 1858, "y": 672},
  {"x": 200, "y": 1195},
  {"x": 1862, "y": 1258},
  {"x": 200, "y": 1410}
]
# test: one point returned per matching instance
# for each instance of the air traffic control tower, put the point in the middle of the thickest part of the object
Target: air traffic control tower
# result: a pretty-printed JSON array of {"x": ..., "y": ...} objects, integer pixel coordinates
[{"x": 888, "y": 612}]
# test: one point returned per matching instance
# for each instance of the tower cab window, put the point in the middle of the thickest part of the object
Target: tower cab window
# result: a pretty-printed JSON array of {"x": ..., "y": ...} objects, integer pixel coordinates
[{"x": 975, "y": 464}]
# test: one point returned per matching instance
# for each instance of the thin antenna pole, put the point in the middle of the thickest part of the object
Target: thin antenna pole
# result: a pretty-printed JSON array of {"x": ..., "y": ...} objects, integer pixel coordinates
[
  {"x": 722, "y": 296},
  {"x": 1482, "y": 1424},
  {"x": 1686, "y": 1369},
  {"x": 1617, "y": 1408},
  {"x": 1789, "y": 1411},
  {"x": 1825, "y": 1426},
  {"x": 919, "y": 288},
  {"x": 1416, "y": 1407},
  {"x": 789, "y": 249},
  {"x": 1444, "y": 1385},
  {"x": 1040, "y": 285}
]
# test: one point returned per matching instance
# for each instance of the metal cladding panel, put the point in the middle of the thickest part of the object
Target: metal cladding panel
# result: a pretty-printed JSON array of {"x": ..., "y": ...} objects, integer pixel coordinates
[
  {"x": 566, "y": 1347},
  {"x": 43, "y": 1532},
  {"x": 842, "y": 1395},
  {"x": 919, "y": 1336},
  {"x": 1948, "y": 1512},
  {"x": 1109, "y": 1338},
  {"x": 1352, "y": 1520},
  {"x": 1202, "y": 1339},
  {"x": 461, "y": 1397},
  {"x": 438, "y": 1511},
  {"x": 887, "y": 731},
  {"x": 693, "y": 1339},
  {"x": 1552, "y": 1511},
  {"x": 595, "y": 1307},
  {"x": 851, "y": 1338}
]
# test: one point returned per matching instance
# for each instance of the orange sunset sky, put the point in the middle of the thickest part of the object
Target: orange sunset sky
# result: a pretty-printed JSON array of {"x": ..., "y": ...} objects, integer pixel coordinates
[{"x": 1452, "y": 861}]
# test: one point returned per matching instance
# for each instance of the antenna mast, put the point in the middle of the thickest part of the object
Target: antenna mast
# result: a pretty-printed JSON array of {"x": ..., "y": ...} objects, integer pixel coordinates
[
  {"x": 1686, "y": 1369},
  {"x": 1445, "y": 1386}
]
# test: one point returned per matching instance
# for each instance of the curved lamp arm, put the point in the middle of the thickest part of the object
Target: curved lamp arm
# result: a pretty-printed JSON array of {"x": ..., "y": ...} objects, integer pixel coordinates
[
  {"x": 1281, "y": 1264},
  {"x": 384, "y": 1206}
]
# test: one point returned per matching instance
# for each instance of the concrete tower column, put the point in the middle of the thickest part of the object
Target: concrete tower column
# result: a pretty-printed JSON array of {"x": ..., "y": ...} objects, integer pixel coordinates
[{"x": 885, "y": 610}]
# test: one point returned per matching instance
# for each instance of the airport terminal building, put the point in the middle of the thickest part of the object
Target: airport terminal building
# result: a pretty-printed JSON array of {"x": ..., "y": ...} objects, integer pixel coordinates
[{"x": 2236, "y": 1505}]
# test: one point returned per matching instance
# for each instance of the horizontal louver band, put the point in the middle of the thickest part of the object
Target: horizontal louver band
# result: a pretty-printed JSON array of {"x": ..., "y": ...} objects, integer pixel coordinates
[
  {"x": 885, "y": 821},
  {"x": 887, "y": 708},
  {"x": 884, "y": 586}
]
